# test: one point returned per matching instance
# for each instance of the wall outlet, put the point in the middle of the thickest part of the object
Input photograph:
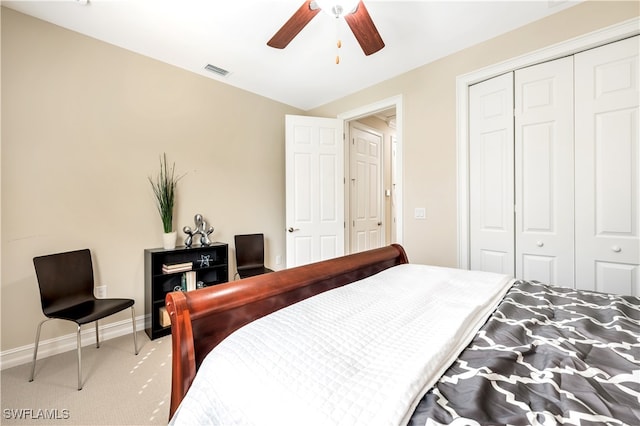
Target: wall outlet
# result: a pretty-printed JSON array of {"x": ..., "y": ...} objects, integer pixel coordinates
[
  {"x": 278, "y": 260},
  {"x": 101, "y": 291}
]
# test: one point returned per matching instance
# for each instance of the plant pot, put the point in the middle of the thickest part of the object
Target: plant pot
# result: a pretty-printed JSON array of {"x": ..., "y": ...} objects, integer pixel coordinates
[{"x": 169, "y": 240}]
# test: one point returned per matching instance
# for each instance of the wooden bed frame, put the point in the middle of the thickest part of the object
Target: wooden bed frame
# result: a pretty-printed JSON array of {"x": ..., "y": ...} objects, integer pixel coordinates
[{"x": 201, "y": 319}]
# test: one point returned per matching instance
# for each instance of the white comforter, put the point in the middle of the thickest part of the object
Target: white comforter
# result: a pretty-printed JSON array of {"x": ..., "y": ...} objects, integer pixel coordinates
[{"x": 362, "y": 354}]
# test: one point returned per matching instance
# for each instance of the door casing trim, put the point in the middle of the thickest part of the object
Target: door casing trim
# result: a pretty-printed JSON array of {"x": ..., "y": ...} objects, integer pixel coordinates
[{"x": 370, "y": 109}]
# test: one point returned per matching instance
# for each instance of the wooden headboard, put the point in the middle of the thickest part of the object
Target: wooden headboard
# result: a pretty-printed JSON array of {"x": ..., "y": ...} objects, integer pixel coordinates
[{"x": 202, "y": 318}]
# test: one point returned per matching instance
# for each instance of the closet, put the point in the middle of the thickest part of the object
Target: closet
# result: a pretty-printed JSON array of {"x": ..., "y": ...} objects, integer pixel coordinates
[{"x": 553, "y": 170}]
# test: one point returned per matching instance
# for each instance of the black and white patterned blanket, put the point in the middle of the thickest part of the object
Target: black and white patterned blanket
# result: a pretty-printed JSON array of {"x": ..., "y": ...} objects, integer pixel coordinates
[{"x": 547, "y": 356}]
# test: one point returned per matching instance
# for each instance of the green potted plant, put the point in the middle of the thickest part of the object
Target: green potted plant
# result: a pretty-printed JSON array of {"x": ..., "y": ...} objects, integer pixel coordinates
[{"x": 164, "y": 188}]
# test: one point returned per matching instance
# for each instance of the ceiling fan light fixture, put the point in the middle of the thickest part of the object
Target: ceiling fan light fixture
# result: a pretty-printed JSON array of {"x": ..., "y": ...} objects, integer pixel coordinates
[
  {"x": 337, "y": 8},
  {"x": 354, "y": 13}
]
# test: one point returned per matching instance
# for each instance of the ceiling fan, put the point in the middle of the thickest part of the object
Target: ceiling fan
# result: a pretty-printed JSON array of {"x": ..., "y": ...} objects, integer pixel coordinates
[{"x": 353, "y": 11}]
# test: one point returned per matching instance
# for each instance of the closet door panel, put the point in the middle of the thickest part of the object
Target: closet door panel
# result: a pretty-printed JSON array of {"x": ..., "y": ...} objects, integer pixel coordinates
[
  {"x": 607, "y": 168},
  {"x": 544, "y": 172},
  {"x": 539, "y": 266},
  {"x": 491, "y": 175}
]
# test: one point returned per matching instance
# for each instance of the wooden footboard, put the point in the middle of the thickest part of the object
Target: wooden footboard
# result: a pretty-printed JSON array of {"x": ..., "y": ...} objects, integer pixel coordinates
[{"x": 201, "y": 319}]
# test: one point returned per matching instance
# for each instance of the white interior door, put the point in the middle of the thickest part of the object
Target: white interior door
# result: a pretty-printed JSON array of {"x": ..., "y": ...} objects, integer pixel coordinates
[
  {"x": 314, "y": 166},
  {"x": 491, "y": 185},
  {"x": 544, "y": 170},
  {"x": 365, "y": 153},
  {"x": 607, "y": 168}
]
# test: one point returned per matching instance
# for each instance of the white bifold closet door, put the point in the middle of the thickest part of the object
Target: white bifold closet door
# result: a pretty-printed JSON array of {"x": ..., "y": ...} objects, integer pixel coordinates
[
  {"x": 554, "y": 193},
  {"x": 521, "y": 173},
  {"x": 491, "y": 175},
  {"x": 544, "y": 208},
  {"x": 607, "y": 163}
]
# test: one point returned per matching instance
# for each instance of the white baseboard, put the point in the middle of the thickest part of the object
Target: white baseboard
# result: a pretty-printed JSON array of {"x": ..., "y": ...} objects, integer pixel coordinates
[{"x": 24, "y": 354}]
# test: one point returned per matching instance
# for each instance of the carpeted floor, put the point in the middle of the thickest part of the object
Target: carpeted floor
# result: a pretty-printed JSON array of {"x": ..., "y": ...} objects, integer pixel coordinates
[{"x": 119, "y": 388}]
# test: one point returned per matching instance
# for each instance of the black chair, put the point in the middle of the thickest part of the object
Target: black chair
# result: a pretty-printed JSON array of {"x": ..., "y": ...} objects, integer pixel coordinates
[
  {"x": 250, "y": 255},
  {"x": 66, "y": 292}
]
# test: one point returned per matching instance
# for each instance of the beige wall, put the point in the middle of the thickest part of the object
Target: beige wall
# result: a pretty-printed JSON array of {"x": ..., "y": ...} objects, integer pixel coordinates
[
  {"x": 429, "y": 120},
  {"x": 84, "y": 123}
]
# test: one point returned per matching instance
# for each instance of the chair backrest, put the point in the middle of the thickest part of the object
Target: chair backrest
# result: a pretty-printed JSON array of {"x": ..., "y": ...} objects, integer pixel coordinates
[
  {"x": 249, "y": 251},
  {"x": 65, "y": 279}
]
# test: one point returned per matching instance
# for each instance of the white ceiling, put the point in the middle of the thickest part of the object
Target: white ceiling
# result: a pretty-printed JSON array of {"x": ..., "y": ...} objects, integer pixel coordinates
[{"x": 232, "y": 35}]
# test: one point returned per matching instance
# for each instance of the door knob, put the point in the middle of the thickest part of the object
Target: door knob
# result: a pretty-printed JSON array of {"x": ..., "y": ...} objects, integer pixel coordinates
[
  {"x": 616, "y": 249},
  {"x": 293, "y": 229},
  {"x": 539, "y": 243}
]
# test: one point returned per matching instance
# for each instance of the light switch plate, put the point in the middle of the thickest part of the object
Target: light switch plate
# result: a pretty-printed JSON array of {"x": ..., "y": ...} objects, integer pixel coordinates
[{"x": 420, "y": 213}]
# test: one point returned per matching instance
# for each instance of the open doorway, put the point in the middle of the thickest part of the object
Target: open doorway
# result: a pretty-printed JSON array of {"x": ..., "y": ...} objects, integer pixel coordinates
[
  {"x": 370, "y": 182},
  {"x": 373, "y": 187}
]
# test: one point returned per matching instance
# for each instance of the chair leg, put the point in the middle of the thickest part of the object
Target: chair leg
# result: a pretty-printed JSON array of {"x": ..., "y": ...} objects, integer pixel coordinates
[
  {"x": 79, "y": 361},
  {"x": 79, "y": 346},
  {"x": 35, "y": 349},
  {"x": 135, "y": 334}
]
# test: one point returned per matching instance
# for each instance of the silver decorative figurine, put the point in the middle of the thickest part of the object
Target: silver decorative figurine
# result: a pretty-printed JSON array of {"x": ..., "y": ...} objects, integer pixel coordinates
[{"x": 201, "y": 229}]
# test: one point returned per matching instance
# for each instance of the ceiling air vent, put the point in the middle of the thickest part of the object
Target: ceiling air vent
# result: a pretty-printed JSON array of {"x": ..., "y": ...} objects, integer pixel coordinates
[{"x": 216, "y": 70}]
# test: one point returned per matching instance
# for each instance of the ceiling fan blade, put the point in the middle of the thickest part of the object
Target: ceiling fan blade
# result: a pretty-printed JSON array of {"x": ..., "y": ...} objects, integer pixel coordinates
[
  {"x": 364, "y": 30},
  {"x": 293, "y": 26}
]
